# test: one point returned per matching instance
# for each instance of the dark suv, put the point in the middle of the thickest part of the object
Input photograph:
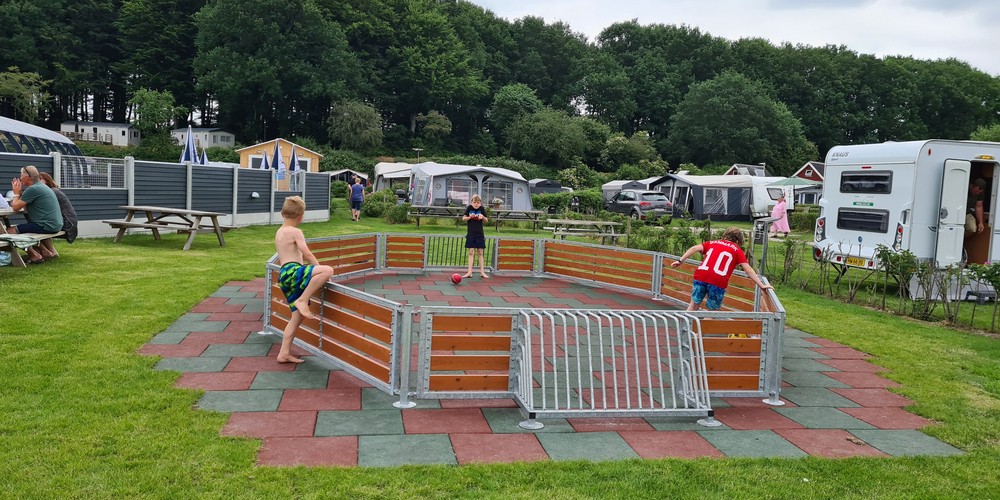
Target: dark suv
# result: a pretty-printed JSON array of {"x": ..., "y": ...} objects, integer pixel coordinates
[{"x": 640, "y": 204}]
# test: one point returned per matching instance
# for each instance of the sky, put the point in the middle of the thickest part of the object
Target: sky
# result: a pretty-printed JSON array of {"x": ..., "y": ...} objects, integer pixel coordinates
[{"x": 923, "y": 29}]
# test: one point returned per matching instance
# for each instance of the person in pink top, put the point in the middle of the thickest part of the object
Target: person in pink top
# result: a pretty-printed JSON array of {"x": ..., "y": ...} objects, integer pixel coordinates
[
  {"x": 720, "y": 260},
  {"x": 780, "y": 211}
]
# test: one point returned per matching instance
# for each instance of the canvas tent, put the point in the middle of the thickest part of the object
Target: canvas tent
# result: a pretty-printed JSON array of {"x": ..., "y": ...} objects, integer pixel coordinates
[
  {"x": 442, "y": 184},
  {"x": 347, "y": 175},
  {"x": 721, "y": 197},
  {"x": 392, "y": 175},
  {"x": 541, "y": 186},
  {"x": 610, "y": 189}
]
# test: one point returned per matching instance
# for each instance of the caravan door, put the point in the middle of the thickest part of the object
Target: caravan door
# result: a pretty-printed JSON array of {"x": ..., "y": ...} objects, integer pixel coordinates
[{"x": 951, "y": 226}]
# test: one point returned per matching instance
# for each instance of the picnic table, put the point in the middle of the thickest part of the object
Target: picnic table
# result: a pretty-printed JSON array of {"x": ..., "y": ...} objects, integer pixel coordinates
[
  {"x": 496, "y": 215},
  {"x": 606, "y": 230},
  {"x": 12, "y": 242},
  {"x": 171, "y": 219}
]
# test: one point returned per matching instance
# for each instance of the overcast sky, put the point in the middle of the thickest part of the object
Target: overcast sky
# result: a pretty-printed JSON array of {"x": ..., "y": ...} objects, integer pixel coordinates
[{"x": 924, "y": 29}]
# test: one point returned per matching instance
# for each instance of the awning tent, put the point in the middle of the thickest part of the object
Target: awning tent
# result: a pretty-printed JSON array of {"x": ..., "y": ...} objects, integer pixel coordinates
[{"x": 453, "y": 185}]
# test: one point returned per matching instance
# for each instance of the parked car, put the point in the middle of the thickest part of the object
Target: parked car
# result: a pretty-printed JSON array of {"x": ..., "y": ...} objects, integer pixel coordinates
[{"x": 640, "y": 204}]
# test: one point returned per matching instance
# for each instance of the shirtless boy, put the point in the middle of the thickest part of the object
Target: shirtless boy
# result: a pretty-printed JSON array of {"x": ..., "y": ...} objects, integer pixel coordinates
[{"x": 301, "y": 275}]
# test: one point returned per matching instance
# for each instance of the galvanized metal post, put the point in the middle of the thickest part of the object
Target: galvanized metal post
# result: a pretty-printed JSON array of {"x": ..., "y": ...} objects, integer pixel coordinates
[{"x": 406, "y": 317}]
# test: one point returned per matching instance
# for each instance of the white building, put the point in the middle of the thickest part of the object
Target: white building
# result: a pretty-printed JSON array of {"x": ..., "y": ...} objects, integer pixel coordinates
[
  {"x": 205, "y": 137},
  {"x": 116, "y": 134}
]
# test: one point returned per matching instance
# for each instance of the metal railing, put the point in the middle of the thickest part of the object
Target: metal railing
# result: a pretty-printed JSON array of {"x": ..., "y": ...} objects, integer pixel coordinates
[{"x": 89, "y": 172}]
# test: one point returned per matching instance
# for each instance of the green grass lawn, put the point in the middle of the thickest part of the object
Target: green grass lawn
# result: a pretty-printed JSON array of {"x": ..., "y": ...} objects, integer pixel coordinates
[{"x": 82, "y": 415}]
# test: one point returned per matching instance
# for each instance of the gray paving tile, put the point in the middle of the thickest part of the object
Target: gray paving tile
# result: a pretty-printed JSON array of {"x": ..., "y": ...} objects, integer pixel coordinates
[
  {"x": 681, "y": 424},
  {"x": 234, "y": 294},
  {"x": 592, "y": 446},
  {"x": 811, "y": 379},
  {"x": 906, "y": 443},
  {"x": 816, "y": 396},
  {"x": 198, "y": 364},
  {"x": 169, "y": 337},
  {"x": 407, "y": 450},
  {"x": 757, "y": 443},
  {"x": 789, "y": 342},
  {"x": 375, "y": 399},
  {"x": 802, "y": 352},
  {"x": 305, "y": 379},
  {"x": 506, "y": 420},
  {"x": 805, "y": 365},
  {"x": 792, "y": 332},
  {"x": 236, "y": 350},
  {"x": 238, "y": 401},
  {"x": 823, "y": 418},
  {"x": 359, "y": 423}
]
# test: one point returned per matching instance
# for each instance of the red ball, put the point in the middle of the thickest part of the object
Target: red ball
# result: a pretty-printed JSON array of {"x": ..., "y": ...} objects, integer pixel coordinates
[{"x": 456, "y": 278}]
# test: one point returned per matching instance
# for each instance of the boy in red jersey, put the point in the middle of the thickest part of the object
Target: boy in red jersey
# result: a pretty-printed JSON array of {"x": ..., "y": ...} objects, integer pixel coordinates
[{"x": 720, "y": 260}]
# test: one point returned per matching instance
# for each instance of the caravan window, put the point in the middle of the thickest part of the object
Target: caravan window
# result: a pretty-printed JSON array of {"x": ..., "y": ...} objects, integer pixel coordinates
[
  {"x": 875, "y": 181},
  {"x": 775, "y": 193},
  {"x": 715, "y": 201},
  {"x": 498, "y": 189},
  {"x": 863, "y": 219},
  {"x": 460, "y": 190}
]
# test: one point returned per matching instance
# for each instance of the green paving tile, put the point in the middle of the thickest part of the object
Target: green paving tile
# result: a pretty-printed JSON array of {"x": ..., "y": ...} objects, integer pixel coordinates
[
  {"x": 228, "y": 288},
  {"x": 681, "y": 424},
  {"x": 406, "y": 450},
  {"x": 359, "y": 423},
  {"x": 192, "y": 317},
  {"x": 816, "y": 396},
  {"x": 169, "y": 337},
  {"x": 305, "y": 379},
  {"x": 506, "y": 420},
  {"x": 802, "y": 352},
  {"x": 246, "y": 301},
  {"x": 198, "y": 364},
  {"x": 823, "y": 418},
  {"x": 592, "y": 446},
  {"x": 805, "y": 365},
  {"x": 266, "y": 338},
  {"x": 792, "y": 332},
  {"x": 376, "y": 399},
  {"x": 811, "y": 379},
  {"x": 755, "y": 444},
  {"x": 234, "y": 294},
  {"x": 237, "y": 401},
  {"x": 237, "y": 350},
  {"x": 316, "y": 363},
  {"x": 252, "y": 306},
  {"x": 789, "y": 342},
  {"x": 906, "y": 443}
]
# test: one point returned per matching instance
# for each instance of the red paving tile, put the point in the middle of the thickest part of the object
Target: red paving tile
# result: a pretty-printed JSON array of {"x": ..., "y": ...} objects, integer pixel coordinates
[
  {"x": 824, "y": 342},
  {"x": 295, "y": 350},
  {"x": 258, "y": 364},
  {"x": 251, "y": 326},
  {"x": 263, "y": 424},
  {"x": 172, "y": 350},
  {"x": 497, "y": 448},
  {"x": 670, "y": 444},
  {"x": 871, "y": 398},
  {"x": 609, "y": 424},
  {"x": 742, "y": 418},
  {"x": 209, "y": 338},
  {"x": 861, "y": 380},
  {"x": 840, "y": 352},
  {"x": 216, "y": 305},
  {"x": 852, "y": 365},
  {"x": 217, "y": 381},
  {"x": 309, "y": 451},
  {"x": 888, "y": 418},
  {"x": 237, "y": 316},
  {"x": 321, "y": 399},
  {"x": 445, "y": 421},
  {"x": 478, "y": 403},
  {"x": 343, "y": 380},
  {"x": 829, "y": 443}
]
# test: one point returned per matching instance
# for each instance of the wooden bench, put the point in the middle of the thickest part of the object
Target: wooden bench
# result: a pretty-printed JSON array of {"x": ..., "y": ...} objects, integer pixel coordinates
[
  {"x": 12, "y": 242},
  {"x": 121, "y": 224}
]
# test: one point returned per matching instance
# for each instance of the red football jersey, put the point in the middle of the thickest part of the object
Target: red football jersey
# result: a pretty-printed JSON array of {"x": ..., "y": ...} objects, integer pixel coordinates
[{"x": 720, "y": 260}]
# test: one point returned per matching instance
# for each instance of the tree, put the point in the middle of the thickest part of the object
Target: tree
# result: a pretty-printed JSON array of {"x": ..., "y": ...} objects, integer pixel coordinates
[
  {"x": 434, "y": 127},
  {"x": 510, "y": 104},
  {"x": 989, "y": 133},
  {"x": 154, "y": 111},
  {"x": 22, "y": 95},
  {"x": 355, "y": 125},
  {"x": 619, "y": 150},
  {"x": 548, "y": 137},
  {"x": 731, "y": 119}
]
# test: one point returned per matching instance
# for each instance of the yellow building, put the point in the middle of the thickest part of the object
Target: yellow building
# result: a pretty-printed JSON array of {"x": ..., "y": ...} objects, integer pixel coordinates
[{"x": 252, "y": 156}]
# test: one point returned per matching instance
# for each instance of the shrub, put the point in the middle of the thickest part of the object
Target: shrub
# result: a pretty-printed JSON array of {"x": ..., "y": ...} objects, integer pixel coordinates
[
  {"x": 339, "y": 189},
  {"x": 378, "y": 203},
  {"x": 803, "y": 220},
  {"x": 397, "y": 214}
]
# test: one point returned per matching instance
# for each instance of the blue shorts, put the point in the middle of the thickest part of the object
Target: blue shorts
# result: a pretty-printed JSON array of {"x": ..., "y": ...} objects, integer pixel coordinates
[
  {"x": 700, "y": 289},
  {"x": 355, "y": 204},
  {"x": 33, "y": 227},
  {"x": 475, "y": 242}
]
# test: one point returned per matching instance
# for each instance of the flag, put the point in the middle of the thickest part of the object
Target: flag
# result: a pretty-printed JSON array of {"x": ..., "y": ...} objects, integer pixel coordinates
[
  {"x": 278, "y": 163},
  {"x": 204, "y": 156},
  {"x": 294, "y": 167},
  {"x": 190, "y": 153},
  {"x": 263, "y": 163}
]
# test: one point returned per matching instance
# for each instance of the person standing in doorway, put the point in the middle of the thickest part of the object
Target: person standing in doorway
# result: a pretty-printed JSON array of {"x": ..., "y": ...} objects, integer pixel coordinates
[
  {"x": 357, "y": 198},
  {"x": 974, "y": 207}
]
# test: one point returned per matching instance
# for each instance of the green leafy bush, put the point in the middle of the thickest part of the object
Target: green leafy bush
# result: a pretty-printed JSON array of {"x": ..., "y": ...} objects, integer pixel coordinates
[
  {"x": 339, "y": 189},
  {"x": 803, "y": 220},
  {"x": 397, "y": 214},
  {"x": 378, "y": 203}
]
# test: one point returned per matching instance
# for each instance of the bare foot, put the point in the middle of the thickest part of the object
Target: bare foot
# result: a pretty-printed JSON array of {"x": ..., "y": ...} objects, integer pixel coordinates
[
  {"x": 467, "y": 275},
  {"x": 485, "y": 276},
  {"x": 303, "y": 307},
  {"x": 290, "y": 359}
]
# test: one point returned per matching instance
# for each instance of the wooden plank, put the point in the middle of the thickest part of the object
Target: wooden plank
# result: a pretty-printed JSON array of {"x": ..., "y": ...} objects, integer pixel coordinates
[
  {"x": 617, "y": 254},
  {"x": 726, "y": 344},
  {"x": 369, "y": 366},
  {"x": 497, "y": 383},
  {"x": 392, "y": 238},
  {"x": 748, "y": 364},
  {"x": 409, "y": 264},
  {"x": 582, "y": 255},
  {"x": 378, "y": 331},
  {"x": 361, "y": 307},
  {"x": 442, "y": 362},
  {"x": 512, "y": 259},
  {"x": 358, "y": 342},
  {"x": 342, "y": 243},
  {"x": 342, "y": 261},
  {"x": 516, "y": 243},
  {"x": 441, "y": 342},
  {"x": 719, "y": 326},
  {"x": 405, "y": 247},
  {"x": 308, "y": 336},
  {"x": 482, "y": 323},
  {"x": 732, "y": 382},
  {"x": 353, "y": 267},
  {"x": 735, "y": 291},
  {"x": 549, "y": 268},
  {"x": 516, "y": 267}
]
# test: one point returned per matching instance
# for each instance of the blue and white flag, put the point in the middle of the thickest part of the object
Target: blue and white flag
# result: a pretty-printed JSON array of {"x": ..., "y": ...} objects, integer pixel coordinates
[
  {"x": 263, "y": 163},
  {"x": 204, "y": 157},
  {"x": 278, "y": 163},
  {"x": 190, "y": 153},
  {"x": 294, "y": 162}
]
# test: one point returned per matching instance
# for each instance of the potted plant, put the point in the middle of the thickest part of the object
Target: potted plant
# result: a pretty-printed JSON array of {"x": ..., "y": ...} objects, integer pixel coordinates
[{"x": 497, "y": 202}]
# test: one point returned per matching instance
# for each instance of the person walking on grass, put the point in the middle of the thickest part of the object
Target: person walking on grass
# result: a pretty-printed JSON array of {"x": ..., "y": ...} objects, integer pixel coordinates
[
  {"x": 357, "y": 198},
  {"x": 720, "y": 260},
  {"x": 301, "y": 275},
  {"x": 475, "y": 238}
]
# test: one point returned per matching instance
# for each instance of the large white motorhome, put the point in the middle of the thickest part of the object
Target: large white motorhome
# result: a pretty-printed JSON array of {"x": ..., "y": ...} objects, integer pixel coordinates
[{"x": 907, "y": 196}]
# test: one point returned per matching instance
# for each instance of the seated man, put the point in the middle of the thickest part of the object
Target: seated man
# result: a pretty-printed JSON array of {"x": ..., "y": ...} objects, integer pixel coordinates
[
  {"x": 974, "y": 207},
  {"x": 42, "y": 207}
]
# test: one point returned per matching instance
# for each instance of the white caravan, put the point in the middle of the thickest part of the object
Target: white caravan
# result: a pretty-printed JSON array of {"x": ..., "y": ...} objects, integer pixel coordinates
[{"x": 907, "y": 196}]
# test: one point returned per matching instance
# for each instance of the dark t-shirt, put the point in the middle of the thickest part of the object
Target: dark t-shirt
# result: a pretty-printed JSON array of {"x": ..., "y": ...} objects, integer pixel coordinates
[
  {"x": 475, "y": 229},
  {"x": 357, "y": 192},
  {"x": 971, "y": 205}
]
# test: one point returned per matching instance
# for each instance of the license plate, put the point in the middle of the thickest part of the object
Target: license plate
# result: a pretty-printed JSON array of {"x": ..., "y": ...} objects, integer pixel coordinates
[{"x": 857, "y": 261}]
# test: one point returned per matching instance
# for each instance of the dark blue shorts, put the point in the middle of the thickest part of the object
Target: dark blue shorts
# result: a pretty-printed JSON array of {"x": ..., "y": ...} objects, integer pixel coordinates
[
  {"x": 355, "y": 204},
  {"x": 700, "y": 289},
  {"x": 33, "y": 227},
  {"x": 475, "y": 242}
]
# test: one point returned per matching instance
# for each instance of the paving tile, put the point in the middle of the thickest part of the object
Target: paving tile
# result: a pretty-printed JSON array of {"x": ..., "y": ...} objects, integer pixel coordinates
[
  {"x": 823, "y": 418},
  {"x": 889, "y": 418},
  {"x": 497, "y": 448},
  {"x": 478, "y": 403},
  {"x": 805, "y": 365},
  {"x": 811, "y": 379},
  {"x": 233, "y": 401},
  {"x": 406, "y": 450},
  {"x": 870, "y": 398},
  {"x": 829, "y": 443},
  {"x": 906, "y": 443},
  {"x": 234, "y": 294},
  {"x": 270, "y": 424},
  {"x": 789, "y": 342},
  {"x": 852, "y": 365},
  {"x": 506, "y": 420},
  {"x": 198, "y": 364},
  {"x": 681, "y": 424},
  {"x": 815, "y": 396},
  {"x": 215, "y": 304},
  {"x": 172, "y": 350},
  {"x": 290, "y": 380},
  {"x": 375, "y": 399},
  {"x": 591, "y": 446},
  {"x": 744, "y": 418},
  {"x": 236, "y": 316},
  {"x": 801, "y": 352},
  {"x": 216, "y": 381},
  {"x": 841, "y": 353},
  {"x": 258, "y": 364},
  {"x": 861, "y": 380},
  {"x": 169, "y": 337},
  {"x": 752, "y": 443},
  {"x": 197, "y": 326},
  {"x": 605, "y": 424},
  {"x": 309, "y": 452},
  {"x": 823, "y": 342},
  {"x": 357, "y": 423},
  {"x": 209, "y": 338},
  {"x": 321, "y": 399},
  {"x": 755, "y": 402},
  {"x": 236, "y": 350},
  {"x": 445, "y": 421},
  {"x": 669, "y": 444}
]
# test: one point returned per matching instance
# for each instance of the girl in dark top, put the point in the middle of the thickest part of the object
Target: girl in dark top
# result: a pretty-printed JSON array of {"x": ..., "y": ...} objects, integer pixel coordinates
[{"x": 475, "y": 239}]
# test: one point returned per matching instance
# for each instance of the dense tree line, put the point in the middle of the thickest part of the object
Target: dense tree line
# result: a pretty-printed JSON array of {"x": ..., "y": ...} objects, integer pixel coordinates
[{"x": 385, "y": 76}]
